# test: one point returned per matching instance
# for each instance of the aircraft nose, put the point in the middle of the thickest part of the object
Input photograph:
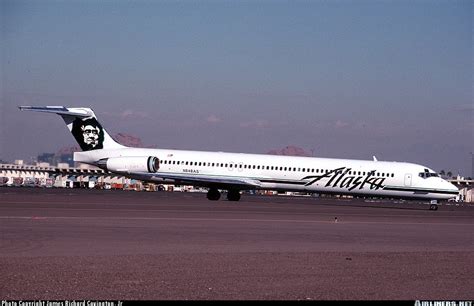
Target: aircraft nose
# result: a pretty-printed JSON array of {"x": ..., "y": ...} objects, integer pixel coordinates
[{"x": 451, "y": 186}]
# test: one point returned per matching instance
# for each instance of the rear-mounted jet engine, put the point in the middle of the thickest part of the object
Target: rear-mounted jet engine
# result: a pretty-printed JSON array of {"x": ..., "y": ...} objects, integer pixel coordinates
[{"x": 148, "y": 164}]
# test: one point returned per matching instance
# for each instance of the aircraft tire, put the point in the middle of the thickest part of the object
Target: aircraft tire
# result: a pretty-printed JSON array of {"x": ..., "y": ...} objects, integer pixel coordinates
[
  {"x": 233, "y": 195},
  {"x": 213, "y": 194}
]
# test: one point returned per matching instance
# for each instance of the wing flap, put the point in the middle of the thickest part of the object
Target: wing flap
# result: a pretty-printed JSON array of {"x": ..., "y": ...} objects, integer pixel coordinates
[{"x": 199, "y": 179}]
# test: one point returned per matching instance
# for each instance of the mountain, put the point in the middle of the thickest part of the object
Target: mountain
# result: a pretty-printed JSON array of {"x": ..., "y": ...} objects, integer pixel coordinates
[
  {"x": 290, "y": 151},
  {"x": 131, "y": 141},
  {"x": 67, "y": 150},
  {"x": 128, "y": 140}
]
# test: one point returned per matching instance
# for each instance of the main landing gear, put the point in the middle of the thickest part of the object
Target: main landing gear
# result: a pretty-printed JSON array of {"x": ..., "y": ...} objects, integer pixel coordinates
[
  {"x": 232, "y": 195},
  {"x": 213, "y": 194}
]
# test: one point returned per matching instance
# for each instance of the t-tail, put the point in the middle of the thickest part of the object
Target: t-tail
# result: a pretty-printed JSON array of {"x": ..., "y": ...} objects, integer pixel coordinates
[{"x": 83, "y": 124}]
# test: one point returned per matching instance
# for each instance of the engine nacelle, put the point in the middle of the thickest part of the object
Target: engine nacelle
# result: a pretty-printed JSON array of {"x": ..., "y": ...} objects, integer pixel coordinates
[{"x": 149, "y": 164}]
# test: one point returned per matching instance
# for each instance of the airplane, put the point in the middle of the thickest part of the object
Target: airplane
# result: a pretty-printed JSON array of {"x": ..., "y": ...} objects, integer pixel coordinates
[{"x": 236, "y": 172}]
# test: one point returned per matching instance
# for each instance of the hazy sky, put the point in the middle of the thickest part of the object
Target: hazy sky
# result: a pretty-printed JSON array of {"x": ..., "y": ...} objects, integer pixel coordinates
[{"x": 347, "y": 79}]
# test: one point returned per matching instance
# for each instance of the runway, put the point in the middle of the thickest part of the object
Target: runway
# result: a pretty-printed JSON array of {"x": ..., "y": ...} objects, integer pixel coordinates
[{"x": 102, "y": 244}]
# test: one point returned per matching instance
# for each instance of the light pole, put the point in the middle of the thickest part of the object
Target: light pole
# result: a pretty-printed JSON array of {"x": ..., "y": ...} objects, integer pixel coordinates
[{"x": 472, "y": 165}]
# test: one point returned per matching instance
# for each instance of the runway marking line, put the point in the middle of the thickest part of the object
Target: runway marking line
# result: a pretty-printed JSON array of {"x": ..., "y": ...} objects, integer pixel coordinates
[
  {"x": 254, "y": 212},
  {"x": 231, "y": 219},
  {"x": 239, "y": 212}
]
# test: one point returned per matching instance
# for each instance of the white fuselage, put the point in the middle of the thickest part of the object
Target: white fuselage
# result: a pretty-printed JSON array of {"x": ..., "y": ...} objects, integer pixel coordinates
[{"x": 307, "y": 174}]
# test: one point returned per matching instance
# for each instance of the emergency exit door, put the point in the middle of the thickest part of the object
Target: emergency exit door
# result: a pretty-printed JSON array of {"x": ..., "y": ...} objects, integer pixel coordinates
[{"x": 408, "y": 179}]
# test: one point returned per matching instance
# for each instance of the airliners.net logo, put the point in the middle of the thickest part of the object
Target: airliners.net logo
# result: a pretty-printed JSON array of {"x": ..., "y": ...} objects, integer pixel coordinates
[{"x": 443, "y": 303}]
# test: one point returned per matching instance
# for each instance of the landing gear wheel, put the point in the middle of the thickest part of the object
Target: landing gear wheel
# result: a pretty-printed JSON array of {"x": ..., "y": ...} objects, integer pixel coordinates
[
  {"x": 433, "y": 207},
  {"x": 213, "y": 194},
  {"x": 233, "y": 195}
]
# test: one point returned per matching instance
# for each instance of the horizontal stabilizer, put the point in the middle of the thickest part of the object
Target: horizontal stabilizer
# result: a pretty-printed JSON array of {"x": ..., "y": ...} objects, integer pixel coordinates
[{"x": 60, "y": 110}]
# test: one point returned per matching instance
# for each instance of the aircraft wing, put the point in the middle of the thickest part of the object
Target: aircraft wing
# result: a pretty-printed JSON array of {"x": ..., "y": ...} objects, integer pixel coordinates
[{"x": 217, "y": 181}]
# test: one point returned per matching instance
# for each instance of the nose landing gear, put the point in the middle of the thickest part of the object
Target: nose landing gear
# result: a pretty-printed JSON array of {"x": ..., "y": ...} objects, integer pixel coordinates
[{"x": 434, "y": 205}]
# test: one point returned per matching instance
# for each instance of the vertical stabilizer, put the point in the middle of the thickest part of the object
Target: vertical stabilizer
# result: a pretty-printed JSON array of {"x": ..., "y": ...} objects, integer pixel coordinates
[{"x": 83, "y": 124}]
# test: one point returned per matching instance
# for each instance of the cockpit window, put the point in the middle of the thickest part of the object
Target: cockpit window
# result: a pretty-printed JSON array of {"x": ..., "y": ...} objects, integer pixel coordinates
[{"x": 428, "y": 174}]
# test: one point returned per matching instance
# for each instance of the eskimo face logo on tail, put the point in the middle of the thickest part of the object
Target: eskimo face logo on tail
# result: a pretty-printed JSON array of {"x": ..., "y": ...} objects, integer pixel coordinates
[{"x": 88, "y": 133}]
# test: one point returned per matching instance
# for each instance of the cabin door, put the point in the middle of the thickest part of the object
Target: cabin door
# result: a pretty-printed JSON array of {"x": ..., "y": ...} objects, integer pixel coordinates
[{"x": 408, "y": 179}]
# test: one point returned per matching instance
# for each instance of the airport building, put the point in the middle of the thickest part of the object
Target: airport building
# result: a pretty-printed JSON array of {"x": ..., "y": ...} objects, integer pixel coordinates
[
  {"x": 63, "y": 176},
  {"x": 44, "y": 175}
]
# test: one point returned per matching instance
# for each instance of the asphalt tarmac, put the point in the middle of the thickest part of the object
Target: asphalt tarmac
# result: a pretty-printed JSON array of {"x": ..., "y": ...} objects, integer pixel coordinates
[{"x": 91, "y": 244}]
